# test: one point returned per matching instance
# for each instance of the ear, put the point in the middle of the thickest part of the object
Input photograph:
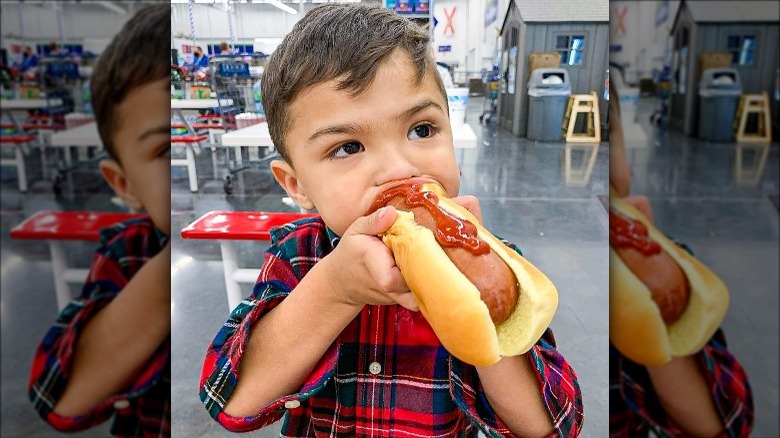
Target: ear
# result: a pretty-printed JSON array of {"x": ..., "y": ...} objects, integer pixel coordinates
[
  {"x": 285, "y": 176},
  {"x": 115, "y": 177}
]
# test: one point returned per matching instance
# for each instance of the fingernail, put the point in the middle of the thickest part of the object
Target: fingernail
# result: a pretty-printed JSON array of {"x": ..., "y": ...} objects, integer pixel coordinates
[{"x": 381, "y": 212}]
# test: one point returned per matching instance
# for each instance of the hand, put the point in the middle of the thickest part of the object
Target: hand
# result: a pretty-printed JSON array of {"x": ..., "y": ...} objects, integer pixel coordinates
[
  {"x": 470, "y": 203},
  {"x": 363, "y": 267}
]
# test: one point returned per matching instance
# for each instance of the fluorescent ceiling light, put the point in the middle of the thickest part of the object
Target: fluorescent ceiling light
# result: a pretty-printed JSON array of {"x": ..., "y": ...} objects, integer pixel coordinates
[
  {"x": 180, "y": 1},
  {"x": 278, "y": 4},
  {"x": 113, "y": 7}
]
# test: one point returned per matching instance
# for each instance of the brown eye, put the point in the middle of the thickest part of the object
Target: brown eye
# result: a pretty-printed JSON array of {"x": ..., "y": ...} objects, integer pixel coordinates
[
  {"x": 347, "y": 149},
  {"x": 421, "y": 131}
]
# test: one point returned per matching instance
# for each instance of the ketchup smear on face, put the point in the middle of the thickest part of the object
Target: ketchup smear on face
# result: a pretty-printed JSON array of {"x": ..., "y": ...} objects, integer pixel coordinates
[
  {"x": 451, "y": 231},
  {"x": 624, "y": 231}
]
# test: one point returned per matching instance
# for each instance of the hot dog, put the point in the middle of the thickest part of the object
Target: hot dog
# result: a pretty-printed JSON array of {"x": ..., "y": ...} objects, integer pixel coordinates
[
  {"x": 482, "y": 299},
  {"x": 663, "y": 302}
]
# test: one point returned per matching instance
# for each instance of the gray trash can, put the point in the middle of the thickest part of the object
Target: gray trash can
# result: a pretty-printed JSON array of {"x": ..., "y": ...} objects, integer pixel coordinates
[
  {"x": 719, "y": 91},
  {"x": 548, "y": 94}
]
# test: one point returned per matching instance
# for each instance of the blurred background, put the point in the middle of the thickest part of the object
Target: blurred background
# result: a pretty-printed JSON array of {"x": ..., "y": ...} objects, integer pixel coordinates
[
  {"x": 53, "y": 195},
  {"x": 699, "y": 87}
]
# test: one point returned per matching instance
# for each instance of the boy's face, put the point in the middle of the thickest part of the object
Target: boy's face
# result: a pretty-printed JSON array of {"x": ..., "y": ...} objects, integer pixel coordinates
[
  {"x": 346, "y": 149},
  {"x": 142, "y": 143}
]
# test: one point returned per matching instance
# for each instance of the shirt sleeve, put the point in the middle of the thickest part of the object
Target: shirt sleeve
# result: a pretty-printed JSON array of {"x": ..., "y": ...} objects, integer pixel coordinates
[
  {"x": 557, "y": 383},
  {"x": 223, "y": 357},
  {"x": 113, "y": 264},
  {"x": 725, "y": 376}
]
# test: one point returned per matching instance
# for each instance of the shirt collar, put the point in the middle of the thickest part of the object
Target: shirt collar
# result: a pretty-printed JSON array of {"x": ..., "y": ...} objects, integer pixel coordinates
[{"x": 333, "y": 237}]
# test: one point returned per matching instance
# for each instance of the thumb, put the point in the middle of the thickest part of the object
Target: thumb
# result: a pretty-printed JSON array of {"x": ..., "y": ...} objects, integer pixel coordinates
[{"x": 375, "y": 223}]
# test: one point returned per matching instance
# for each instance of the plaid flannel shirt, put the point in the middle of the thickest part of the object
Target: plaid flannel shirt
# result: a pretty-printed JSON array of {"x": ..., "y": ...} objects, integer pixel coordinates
[
  {"x": 386, "y": 374},
  {"x": 144, "y": 409},
  {"x": 636, "y": 411}
]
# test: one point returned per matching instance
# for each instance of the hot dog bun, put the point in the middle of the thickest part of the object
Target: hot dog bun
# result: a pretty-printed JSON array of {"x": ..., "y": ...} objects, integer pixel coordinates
[
  {"x": 636, "y": 327},
  {"x": 452, "y": 304}
]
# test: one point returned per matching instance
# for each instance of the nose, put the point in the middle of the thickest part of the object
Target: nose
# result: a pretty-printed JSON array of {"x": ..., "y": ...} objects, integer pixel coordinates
[{"x": 394, "y": 164}]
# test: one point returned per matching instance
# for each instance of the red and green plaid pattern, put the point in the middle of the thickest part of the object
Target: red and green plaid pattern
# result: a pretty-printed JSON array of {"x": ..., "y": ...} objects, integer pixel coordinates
[
  {"x": 420, "y": 389},
  {"x": 145, "y": 408}
]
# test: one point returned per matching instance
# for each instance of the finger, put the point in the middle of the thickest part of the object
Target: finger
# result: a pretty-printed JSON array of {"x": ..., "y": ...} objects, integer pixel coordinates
[
  {"x": 387, "y": 276},
  {"x": 375, "y": 223},
  {"x": 408, "y": 301},
  {"x": 470, "y": 203}
]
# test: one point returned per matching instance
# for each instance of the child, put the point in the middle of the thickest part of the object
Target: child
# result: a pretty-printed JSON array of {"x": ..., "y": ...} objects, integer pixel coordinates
[
  {"x": 354, "y": 102},
  {"x": 109, "y": 350},
  {"x": 703, "y": 395}
]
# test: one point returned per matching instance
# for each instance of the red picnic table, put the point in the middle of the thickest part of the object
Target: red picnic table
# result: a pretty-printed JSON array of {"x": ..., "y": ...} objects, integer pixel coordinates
[
  {"x": 56, "y": 227},
  {"x": 230, "y": 226}
]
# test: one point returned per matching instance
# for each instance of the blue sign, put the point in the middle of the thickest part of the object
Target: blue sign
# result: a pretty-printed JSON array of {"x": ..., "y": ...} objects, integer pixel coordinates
[
  {"x": 233, "y": 69},
  {"x": 614, "y": 48},
  {"x": 445, "y": 48},
  {"x": 491, "y": 12},
  {"x": 62, "y": 69}
]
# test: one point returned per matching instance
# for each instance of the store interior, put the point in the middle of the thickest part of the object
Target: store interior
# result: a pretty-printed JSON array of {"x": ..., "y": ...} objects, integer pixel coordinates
[{"x": 539, "y": 168}]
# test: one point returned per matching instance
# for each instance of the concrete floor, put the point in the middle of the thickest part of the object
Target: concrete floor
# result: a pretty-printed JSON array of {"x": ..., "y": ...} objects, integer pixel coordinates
[{"x": 527, "y": 196}]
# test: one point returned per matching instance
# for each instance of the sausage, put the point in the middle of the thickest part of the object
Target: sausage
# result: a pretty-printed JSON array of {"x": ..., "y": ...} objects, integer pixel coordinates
[
  {"x": 663, "y": 276},
  {"x": 495, "y": 281}
]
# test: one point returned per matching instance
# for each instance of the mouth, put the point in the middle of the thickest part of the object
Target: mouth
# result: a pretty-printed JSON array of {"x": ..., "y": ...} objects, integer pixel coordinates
[{"x": 386, "y": 191}]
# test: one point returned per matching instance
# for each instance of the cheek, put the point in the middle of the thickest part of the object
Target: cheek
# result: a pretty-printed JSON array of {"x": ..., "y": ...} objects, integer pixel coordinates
[{"x": 340, "y": 208}]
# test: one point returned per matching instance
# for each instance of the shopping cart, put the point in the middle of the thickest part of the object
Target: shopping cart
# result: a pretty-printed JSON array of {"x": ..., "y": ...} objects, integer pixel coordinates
[
  {"x": 492, "y": 81},
  {"x": 62, "y": 85},
  {"x": 232, "y": 83},
  {"x": 237, "y": 85},
  {"x": 663, "y": 87}
]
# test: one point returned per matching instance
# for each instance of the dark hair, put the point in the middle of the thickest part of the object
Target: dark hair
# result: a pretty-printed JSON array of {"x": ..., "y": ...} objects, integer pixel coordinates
[
  {"x": 136, "y": 56},
  {"x": 199, "y": 48},
  {"x": 223, "y": 46},
  {"x": 338, "y": 41}
]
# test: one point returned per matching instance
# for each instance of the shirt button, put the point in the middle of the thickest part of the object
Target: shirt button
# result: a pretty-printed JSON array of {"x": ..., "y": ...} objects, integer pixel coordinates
[
  {"x": 374, "y": 368},
  {"x": 121, "y": 404},
  {"x": 292, "y": 404}
]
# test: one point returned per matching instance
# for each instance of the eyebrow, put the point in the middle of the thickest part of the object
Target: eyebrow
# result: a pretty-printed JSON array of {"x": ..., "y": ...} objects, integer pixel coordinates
[
  {"x": 348, "y": 128},
  {"x": 427, "y": 103},
  {"x": 161, "y": 129},
  {"x": 341, "y": 128}
]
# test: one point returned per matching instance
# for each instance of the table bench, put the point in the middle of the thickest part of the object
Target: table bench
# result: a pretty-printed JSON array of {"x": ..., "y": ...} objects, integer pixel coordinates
[
  {"x": 190, "y": 142},
  {"x": 57, "y": 227},
  {"x": 18, "y": 142},
  {"x": 230, "y": 226}
]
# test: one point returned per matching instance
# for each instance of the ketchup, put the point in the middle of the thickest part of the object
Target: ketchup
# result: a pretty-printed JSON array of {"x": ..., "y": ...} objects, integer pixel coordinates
[
  {"x": 451, "y": 231},
  {"x": 624, "y": 231}
]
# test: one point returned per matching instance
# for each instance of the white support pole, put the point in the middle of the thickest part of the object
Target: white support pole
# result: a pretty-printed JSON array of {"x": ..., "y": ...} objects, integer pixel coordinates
[
  {"x": 59, "y": 268},
  {"x": 230, "y": 266},
  {"x": 21, "y": 172}
]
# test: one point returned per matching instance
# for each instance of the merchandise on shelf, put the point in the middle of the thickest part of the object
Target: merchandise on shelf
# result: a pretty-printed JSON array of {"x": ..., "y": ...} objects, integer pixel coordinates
[
  {"x": 86, "y": 97},
  {"x": 404, "y": 6}
]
